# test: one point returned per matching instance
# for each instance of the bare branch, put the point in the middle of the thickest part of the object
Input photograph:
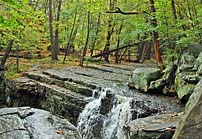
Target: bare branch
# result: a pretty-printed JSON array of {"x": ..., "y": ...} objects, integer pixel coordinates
[{"x": 118, "y": 10}]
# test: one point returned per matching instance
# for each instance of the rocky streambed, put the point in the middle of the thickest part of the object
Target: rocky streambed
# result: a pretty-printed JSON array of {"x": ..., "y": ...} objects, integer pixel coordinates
[{"x": 96, "y": 100}]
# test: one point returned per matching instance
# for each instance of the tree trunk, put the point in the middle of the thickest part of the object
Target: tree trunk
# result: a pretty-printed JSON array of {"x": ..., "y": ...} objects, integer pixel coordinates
[
  {"x": 108, "y": 37},
  {"x": 6, "y": 55},
  {"x": 54, "y": 54},
  {"x": 86, "y": 44},
  {"x": 57, "y": 29},
  {"x": 155, "y": 34},
  {"x": 174, "y": 9},
  {"x": 148, "y": 51},
  {"x": 140, "y": 52},
  {"x": 17, "y": 58},
  {"x": 118, "y": 42},
  {"x": 96, "y": 34},
  {"x": 109, "y": 32},
  {"x": 69, "y": 43}
]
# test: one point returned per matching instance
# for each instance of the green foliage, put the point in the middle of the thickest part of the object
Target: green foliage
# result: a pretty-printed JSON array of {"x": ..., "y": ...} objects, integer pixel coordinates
[
  {"x": 19, "y": 22},
  {"x": 27, "y": 24}
]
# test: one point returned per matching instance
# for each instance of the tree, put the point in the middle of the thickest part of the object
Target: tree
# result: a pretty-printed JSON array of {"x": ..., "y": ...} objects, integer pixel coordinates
[
  {"x": 155, "y": 33},
  {"x": 17, "y": 17},
  {"x": 54, "y": 39}
]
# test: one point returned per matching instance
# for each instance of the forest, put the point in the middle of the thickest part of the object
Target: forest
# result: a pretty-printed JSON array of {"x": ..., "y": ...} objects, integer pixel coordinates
[
  {"x": 96, "y": 29},
  {"x": 100, "y": 69}
]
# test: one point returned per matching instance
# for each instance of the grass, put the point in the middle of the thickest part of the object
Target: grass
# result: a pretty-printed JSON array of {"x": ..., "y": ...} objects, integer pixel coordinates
[{"x": 43, "y": 63}]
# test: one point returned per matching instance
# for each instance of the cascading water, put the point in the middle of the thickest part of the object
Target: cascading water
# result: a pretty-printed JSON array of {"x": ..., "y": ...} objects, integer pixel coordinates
[
  {"x": 115, "y": 125},
  {"x": 89, "y": 117},
  {"x": 93, "y": 123}
]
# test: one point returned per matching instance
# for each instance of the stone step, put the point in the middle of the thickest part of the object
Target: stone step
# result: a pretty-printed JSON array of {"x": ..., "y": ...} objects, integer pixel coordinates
[
  {"x": 67, "y": 83},
  {"x": 87, "y": 76},
  {"x": 56, "y": 99}
]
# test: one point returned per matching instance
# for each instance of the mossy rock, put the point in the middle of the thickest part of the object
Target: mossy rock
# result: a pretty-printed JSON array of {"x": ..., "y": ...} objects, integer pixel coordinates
[
  {"x": 141, "y": 78},
  {"x": 185, "y": 92}
]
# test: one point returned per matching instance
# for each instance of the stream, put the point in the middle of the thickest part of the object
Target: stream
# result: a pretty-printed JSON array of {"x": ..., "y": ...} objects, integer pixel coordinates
[{"x": 96, "y": 99}]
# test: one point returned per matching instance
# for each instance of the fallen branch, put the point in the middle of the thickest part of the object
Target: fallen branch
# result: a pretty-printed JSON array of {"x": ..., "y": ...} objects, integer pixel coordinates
[
  {"x": 118, "y": 10},
  {"x": 114, "y": 50}
]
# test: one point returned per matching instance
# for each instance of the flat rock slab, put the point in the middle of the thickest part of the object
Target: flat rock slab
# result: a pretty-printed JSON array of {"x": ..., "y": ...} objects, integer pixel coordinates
[
  {"x": 29, "y": 123},
  {"x": 154, "y": 127}
]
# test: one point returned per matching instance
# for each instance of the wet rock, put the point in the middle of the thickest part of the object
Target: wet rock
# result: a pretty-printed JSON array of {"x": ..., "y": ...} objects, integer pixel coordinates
[
  {"x": 140, "y": 109},
  {"x": 141, "y": 78},
  {"x": 190, "y": 125},
  {"x": 29, "y": 123},
  {"x": 106, "y": 103},
  {"x": 154, "y": 127}
]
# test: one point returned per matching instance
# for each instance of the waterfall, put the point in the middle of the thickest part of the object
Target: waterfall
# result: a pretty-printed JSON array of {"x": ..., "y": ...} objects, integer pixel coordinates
[
  {"x": 89, "y": 117},
  {"x": 115, "y": 125},
  {"x": 93, "y": 123}
]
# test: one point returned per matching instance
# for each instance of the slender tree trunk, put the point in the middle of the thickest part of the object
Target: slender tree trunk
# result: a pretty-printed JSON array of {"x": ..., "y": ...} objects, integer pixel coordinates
[
  {"x": 140, "y": 51},
  {"x": 96, "y": 34},
  {"x": 57, "y": 29},
  {"x": 174, "y": 9},
  {"x": 75, "y": 32},
  {"x": 54, "y": 55},
  {"x": 67, "y": 49},
  {"x": 87, "y": 39},
  {"x": 6, "y": 55},
  {"x": 118, "y": 42},
  {"x": 17, "y": 58},
  {"x": 108, "y": 37},
  {"x": 148, "y": 52},
  {"x": 155, "y": 34},
  {"x": 109, "y": 32}
]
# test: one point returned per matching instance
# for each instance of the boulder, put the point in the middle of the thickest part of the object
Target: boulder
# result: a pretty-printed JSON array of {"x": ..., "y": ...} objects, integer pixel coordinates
[
  {"x": 199, "y": 71},
  {"x": 190, "y": 125},
  {"x": 198, "y": 62},
  {"x": 185, "y": 83},
  {"x": 141, "y": 78},
  {"x": 186, "y": 63},
  {"x": 154, "y": 127},
  {"x": 165, "y": 84},
  {"x": 193, "y": 49},
  {"x": 29, "y": 123},
  {"x": 185, "y": 91},
  {"x": 157, "y": 86}
]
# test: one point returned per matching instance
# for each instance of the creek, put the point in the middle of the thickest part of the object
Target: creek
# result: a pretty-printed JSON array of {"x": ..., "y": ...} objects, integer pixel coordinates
[
  {"x": 95, "y": 122},
  {"x": 96, "y": 99}
]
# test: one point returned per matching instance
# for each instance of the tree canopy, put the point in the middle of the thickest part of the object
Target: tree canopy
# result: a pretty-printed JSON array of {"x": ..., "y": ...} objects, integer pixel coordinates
[{"x": 88, "y": 26}]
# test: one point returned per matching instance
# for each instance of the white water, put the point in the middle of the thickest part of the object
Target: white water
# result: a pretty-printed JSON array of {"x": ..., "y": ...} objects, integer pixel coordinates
[
  {"x": 116, "y": 123},
  {"x": 113, "y": 125}
]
